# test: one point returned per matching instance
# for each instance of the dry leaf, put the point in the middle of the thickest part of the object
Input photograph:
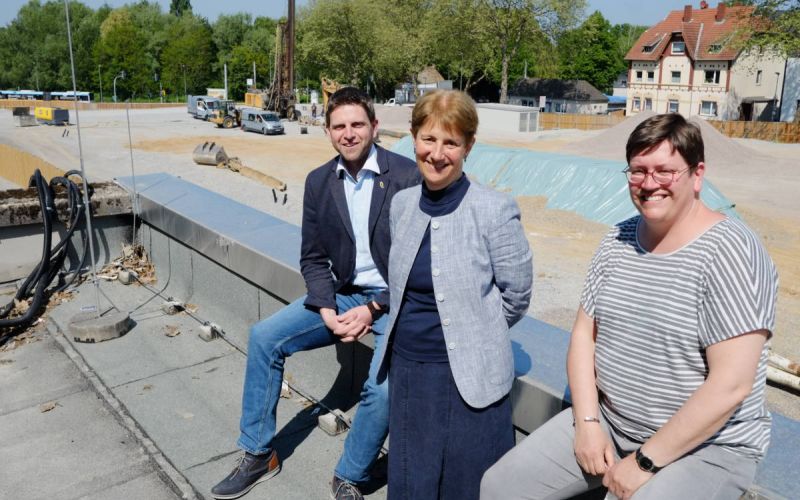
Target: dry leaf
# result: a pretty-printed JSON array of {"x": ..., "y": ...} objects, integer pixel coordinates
[
  {"x": 48, "y": 406},
  {"x": 171, "y": 331},
  {"x": 192, "y": 308}
]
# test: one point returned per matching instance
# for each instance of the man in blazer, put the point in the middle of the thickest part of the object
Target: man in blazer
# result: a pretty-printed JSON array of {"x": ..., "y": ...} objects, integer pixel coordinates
[{"x": 344, "y": 262}]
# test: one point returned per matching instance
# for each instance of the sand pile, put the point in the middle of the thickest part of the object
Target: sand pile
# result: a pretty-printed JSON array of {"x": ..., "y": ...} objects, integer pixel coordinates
[
  {"x": 720, "y": 150},
  {"x": 397, "y": 118}
]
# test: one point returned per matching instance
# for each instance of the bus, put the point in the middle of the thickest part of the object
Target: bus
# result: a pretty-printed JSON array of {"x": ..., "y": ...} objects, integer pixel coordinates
[{"x": 46, "y": 96}]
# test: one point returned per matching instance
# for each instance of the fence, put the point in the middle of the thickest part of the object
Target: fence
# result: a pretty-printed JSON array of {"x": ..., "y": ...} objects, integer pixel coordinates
[
  {"x": 766, "y": 131},
  {"x": 17, "y": 103},
  {"x": 552, "y": 121}
]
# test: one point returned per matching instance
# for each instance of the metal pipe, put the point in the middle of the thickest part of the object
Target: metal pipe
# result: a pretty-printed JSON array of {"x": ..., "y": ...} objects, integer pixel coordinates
[{"x": 86, "y": 205}]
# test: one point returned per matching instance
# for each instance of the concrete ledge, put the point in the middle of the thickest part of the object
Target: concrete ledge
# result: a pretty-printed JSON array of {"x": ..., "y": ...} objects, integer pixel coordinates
[{"x": 263, "y": 253}]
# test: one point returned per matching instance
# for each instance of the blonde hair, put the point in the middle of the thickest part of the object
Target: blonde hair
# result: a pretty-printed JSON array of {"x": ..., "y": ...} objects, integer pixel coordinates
[{"x": 453, "y": 110}]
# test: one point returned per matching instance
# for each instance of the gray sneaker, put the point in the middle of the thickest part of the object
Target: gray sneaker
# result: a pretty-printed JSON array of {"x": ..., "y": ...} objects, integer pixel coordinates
[
  {"x": 342, "y": 490},
  {"x": 251, "y": 470}
]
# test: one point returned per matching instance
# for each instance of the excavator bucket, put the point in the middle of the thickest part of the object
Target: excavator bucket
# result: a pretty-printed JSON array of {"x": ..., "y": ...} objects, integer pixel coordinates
[{"x": 210, "y": 153}]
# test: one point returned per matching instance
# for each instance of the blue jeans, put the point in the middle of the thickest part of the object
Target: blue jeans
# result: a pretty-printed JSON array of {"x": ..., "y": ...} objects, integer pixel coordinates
[{"x": 296, "y": 328}]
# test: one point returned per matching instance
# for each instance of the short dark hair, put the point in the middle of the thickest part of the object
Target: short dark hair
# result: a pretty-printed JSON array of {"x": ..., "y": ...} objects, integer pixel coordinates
[
  {"x": 350, "y": 95},
  {"x": 685, "y": 137}
]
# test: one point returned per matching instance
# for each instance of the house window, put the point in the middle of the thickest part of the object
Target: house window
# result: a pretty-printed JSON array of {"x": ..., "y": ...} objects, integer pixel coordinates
[
  {"x": 708, "y": 108},
  {"x": 676, "y": 77},
  {"x": 648, "y": 49},
  {"x": 759, "y": 73},
  {"x": 648, "y": 104},
  {"x": 678, "y": 48},
  {"x": 712, "y": 76},
  {"x": 672, "y": 106},
  {"x": 638, "y": 76},
  {"x": 651, "y": 76},
  {"x": 715, "y": 48},
  {"x": 637, "y": 104}
]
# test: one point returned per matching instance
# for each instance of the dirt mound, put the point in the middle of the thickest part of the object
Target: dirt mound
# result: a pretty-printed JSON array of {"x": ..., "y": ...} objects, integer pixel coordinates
[
  {"x": 609, "y": 145},
  {"x": 720, "y": 150}
]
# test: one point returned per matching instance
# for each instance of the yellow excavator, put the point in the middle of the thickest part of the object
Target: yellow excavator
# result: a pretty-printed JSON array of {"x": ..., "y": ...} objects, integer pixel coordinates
[{"x": 328, "y": 87}]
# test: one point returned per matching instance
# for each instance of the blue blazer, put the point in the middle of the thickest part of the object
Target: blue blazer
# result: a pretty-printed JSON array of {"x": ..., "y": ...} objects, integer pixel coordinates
[
  {"x": 482, "y": 272},
  {"x": 328, "y": 248}
]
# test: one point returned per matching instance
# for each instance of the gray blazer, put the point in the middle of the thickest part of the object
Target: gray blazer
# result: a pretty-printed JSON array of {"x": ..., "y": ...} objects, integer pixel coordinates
[{"x": 482, "y": 277}]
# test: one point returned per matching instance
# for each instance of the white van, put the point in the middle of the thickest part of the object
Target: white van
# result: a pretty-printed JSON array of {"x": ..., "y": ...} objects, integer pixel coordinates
[{"x": 265, "y": 122}]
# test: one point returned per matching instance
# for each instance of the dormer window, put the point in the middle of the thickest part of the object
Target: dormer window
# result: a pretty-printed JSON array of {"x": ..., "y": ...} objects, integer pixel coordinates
[
  {"x": 648, "y": 49},
  {"x": 715, "y": 48},
  {"x": 678, "y": 48}
]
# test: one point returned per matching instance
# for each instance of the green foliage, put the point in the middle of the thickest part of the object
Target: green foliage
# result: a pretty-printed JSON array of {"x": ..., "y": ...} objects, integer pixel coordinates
[
  {"x": 34, "y": 52},
  {"x": 358, "y": 42},
  {"x": 781, "y": 31},
  {"x": 187, "y": 56},
  {"x": 512, "y": 21},
  {"x": 123, "y": 47},
  {"x": 590, "y": 52}
]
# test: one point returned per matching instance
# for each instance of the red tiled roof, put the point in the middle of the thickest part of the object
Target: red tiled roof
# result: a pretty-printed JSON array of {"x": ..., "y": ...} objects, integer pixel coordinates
[{"x": 699, "y": 33}]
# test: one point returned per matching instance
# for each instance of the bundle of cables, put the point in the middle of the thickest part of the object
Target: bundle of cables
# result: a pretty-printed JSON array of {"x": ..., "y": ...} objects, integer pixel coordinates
[{"x": 51, "y": 265}]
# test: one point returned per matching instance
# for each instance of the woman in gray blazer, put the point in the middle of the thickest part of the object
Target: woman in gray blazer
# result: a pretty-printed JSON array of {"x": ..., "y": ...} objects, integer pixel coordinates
[{"x": 460, "y": 275}]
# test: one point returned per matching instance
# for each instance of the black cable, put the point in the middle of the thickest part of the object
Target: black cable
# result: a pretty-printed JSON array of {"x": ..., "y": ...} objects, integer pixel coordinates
[{"x": 52, "y": 261}]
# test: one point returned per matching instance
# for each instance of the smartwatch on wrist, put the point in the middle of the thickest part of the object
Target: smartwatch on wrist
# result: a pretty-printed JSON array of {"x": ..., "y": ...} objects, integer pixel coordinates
[
  {"x": 374, "y": 311},
  {"x": 646, "y": 463}
]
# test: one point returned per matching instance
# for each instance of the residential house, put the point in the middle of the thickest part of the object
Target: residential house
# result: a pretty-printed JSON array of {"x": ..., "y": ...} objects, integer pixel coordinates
[
  {"x": 561, "y": 96},
  {"x": 691, "y": 63},
  {"x": 620, "y": 85},
  {"x": 428, "y": 79}
]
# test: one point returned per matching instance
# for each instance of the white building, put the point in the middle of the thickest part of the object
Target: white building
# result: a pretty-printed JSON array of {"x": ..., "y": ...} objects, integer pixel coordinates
[{"x": 689, "y": 63}]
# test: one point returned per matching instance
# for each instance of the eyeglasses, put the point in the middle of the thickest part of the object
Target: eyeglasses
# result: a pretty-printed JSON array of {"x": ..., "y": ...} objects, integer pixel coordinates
[{"x": 660, "y": 177}]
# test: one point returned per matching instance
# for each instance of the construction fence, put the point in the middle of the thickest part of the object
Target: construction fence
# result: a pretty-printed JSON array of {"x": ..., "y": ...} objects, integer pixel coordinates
[
  {"x": 555, "y": 121},
  {"x": 766, "y": 131},
  {"x": 21, "y": 103}
]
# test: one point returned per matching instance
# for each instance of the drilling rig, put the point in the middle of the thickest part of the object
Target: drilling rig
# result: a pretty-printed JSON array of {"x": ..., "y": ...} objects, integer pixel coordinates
[{"x": 279, "y": 96}]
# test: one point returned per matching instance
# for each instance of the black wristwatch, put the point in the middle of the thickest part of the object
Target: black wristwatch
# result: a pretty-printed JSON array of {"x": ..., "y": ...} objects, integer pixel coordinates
[
  {"x": 374, "y": 311},
  {"x": 646, "y": 463}
]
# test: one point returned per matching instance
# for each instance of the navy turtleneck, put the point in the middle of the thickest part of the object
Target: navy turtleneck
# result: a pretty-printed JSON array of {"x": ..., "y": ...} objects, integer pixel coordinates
[{"x": 418, "y": 332}]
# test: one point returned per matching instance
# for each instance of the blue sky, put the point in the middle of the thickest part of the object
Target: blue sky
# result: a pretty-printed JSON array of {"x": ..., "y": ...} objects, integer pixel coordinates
[{"x": 617, "y": 11}]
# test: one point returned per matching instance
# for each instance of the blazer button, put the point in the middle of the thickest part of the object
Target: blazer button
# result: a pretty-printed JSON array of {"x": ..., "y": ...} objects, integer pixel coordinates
[
  {"x": 436, "y": 272},
  {"x": 435, "y": 224},
  {"x": 446, "y": 322},
  {"x": 451, "y": 345},
  {"x": 440, "y": 297}
]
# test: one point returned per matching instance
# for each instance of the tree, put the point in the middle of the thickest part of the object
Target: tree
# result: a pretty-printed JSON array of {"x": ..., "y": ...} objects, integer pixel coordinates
[
  {"x": 355, "y": 42},
  {"x": 34, "y": 50},
  {"x": 779, "y": 28},
  {"x": 180, "y": 7},
  {"x": 187, "y": 56},
  {"x": 590, "y": 52},
  {"x": 513, "y": 20},
  {"x": 467, "y": 58},
  {"x": 122, "y": 47}
]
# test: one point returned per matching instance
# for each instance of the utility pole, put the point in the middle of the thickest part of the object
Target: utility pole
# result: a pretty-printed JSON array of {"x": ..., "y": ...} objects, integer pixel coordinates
[
  {"x": 100, "y": 77},
  {"x": 255, "y": 86}
]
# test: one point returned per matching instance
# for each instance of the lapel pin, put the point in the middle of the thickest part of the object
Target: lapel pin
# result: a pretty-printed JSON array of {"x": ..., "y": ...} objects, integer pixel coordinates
[{"x": 381, "y": 185}]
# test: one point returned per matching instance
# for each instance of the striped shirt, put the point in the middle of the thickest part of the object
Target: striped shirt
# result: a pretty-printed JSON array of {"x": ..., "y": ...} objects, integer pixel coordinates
[{"x": 657, "y": 313}]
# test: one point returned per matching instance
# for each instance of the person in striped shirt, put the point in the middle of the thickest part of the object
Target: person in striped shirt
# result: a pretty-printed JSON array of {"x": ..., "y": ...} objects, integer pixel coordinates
[{"x": 667, "y": 358}]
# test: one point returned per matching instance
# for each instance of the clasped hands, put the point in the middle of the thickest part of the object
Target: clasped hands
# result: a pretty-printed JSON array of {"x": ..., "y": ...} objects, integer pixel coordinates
[
  {"x": 595, "y": 455},
  {"x": 349, "y": 326}
]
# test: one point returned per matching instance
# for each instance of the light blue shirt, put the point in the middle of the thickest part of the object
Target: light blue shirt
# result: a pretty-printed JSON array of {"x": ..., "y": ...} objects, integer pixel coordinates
[{"x": 358, "y": 192}]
